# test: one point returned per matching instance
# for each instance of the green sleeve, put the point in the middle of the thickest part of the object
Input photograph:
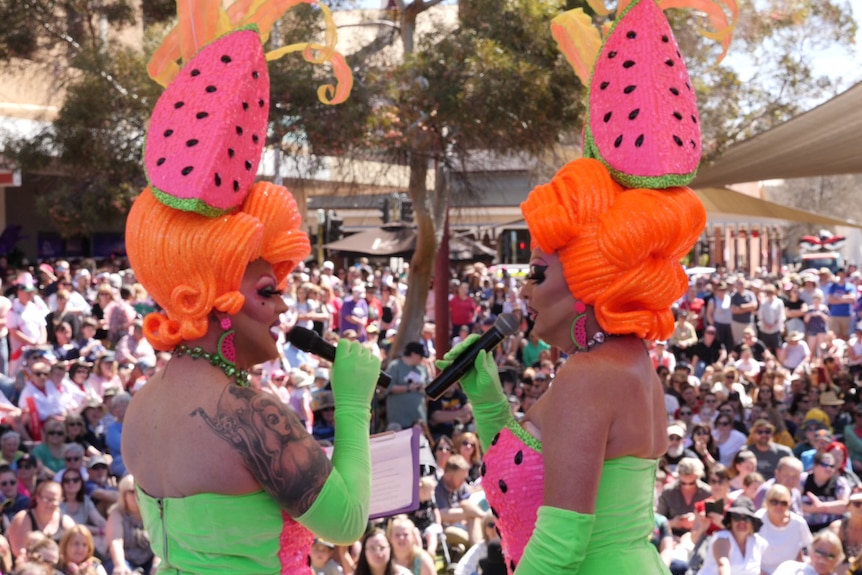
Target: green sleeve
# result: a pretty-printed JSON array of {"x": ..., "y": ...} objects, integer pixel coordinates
[{"x": 558, "y": 544}]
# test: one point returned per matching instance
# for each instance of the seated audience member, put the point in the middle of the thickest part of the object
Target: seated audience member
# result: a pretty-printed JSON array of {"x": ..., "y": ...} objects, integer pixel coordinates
[
  {"x": 469, "y": 563},
  {"x": 128, "y": 542},
  {"x": 77, "y": 553},
  {"x": 322, "y": 560},
  {"x": 99, "y": 487},
  {"x": 427, "y": 517},
  {"x": 789, "y": 474},
  {"x": 765, "y": 450},
  {"x": 786, "y": 532},
  {"x": 738, "y": 548},
  {"x": 825, "y": 493},
  {"x": 826, "y": 555},
  {"x": 849, "y": 527},
  {"x": 51, "y": 452},
  {"x": 461, "y": 517},
  {"x": 13, "y": 500},
  {"x": 677, "y": 500},
  {"x": 43, "y": 516}
]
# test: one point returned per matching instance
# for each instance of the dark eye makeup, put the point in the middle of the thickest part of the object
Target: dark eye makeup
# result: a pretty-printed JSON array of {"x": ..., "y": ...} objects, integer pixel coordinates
[
  {"x": 269, "y": 291},
  {"x": 537, "y": 273}
]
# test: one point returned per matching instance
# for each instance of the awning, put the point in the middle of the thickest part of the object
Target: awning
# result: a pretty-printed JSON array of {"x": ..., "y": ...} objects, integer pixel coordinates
[
  {"x": 728, "y": 206},
  {"x": 824, "y": 141},
  {"x": 400, "y": 241}
]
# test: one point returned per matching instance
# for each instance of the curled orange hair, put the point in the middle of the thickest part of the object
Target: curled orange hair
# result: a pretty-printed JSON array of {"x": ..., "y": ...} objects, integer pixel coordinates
[
  {"x": 191, "y": 264},
  {"x": 620, "y": 248}
]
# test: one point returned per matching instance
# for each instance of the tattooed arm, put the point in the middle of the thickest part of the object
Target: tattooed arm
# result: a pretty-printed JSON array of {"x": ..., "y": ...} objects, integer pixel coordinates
[
  {"x": 276, "y": 448},
  {"x": 331, "y": 500}
]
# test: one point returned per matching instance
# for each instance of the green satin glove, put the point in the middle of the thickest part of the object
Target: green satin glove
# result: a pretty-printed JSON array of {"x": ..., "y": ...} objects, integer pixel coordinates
[
  {"x": 340, "y": 512},
  {"x": 482, "y": 385},
  {"x": 558, "y": 544}
]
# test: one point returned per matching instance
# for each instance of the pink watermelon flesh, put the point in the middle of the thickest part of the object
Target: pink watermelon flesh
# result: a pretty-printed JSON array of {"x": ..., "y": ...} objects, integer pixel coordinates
[
  {"x": 579, "y": 331},
  {"x": 208, "y": 128},
  {"x": 642, "y": 121},
  {"x": 226, "y": 347}
]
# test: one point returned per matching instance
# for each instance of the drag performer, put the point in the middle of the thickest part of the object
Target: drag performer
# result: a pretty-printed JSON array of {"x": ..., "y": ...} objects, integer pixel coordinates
[
  {"x": 228, "y": 479},
  {"x": 573, "y": 484}
]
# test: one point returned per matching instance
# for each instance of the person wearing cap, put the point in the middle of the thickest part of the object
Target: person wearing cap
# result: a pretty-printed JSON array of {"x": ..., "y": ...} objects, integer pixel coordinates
[
  {"x": 98, "y": 487},
  {"x": 708, "y": 351},
  {"x": 676, "y": 450},
  {"x": 737, "y": 549},
  {"x": 825, "y": 493},
  {"x": 794, "y": 353},
  {"x": 354, "y": 313},
  {"x": 810, "y": 288},
  {"x": 405, "y": 396},
  {"x": 322, "y": 560},
  {"x": 26, "y": 323},
  {"x": 743, "y": 307},
  {"x": 659, "y": 355},
  {"x": 719, "y": 315},
  {"x": 841, "y": 295}
]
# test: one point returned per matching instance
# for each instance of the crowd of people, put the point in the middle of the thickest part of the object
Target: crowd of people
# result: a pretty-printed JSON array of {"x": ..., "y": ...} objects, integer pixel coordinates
[{"x": 760, "y": 389}]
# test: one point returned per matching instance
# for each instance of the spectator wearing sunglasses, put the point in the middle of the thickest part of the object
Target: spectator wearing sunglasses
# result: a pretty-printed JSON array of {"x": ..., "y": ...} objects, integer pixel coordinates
[
  {"x": 469, "y": 563},
  {"x": 825, "y": 493},
  {"x": 786, "y": 532},
  {"x": 728, "y": 440},
  {"x": 13, "y": 501},
  {"x": 765, "y": 450},
  {"x": 738, "y": 548},
  {"x": 826, "y": 556}
]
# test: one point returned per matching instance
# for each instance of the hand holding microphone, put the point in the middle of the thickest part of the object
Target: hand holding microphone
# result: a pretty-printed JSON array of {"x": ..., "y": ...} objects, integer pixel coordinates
[{"x": 308, "y": 341}]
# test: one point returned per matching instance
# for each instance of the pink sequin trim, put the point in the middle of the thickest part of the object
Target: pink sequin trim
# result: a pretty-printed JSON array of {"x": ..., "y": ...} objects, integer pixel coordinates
[
  {"x": 514, "y": 476},
  {"x": 294, "y": 547}
]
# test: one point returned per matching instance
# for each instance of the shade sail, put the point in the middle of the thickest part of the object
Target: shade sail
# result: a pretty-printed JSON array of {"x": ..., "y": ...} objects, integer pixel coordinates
[
  {"x": 728, "y": 205},
  {"x": 824, "y": 141}
]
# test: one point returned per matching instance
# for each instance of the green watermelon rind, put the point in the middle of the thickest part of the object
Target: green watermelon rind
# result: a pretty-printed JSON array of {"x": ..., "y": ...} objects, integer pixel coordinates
[
  {"x": 189, "y": 204},
  {"x": 195, "y": 205},
  {"x": 591, "y": 150}
]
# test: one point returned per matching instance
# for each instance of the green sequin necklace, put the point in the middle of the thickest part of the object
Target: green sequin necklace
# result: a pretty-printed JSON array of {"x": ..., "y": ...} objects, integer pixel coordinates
[{"x": 240, "y": 376}]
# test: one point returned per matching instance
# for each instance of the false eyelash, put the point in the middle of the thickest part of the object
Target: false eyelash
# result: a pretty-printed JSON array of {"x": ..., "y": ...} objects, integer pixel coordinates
[
  {"x": 537, "y": 273},
  {"x": 270, "y": 292}
]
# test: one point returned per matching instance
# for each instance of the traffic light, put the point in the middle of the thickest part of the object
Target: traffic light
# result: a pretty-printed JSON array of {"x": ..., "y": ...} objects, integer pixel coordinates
[
  {"x": 385, "y": 210},
  {"x": 334, "y": 226},
  {"x": 406, "y": 210}
]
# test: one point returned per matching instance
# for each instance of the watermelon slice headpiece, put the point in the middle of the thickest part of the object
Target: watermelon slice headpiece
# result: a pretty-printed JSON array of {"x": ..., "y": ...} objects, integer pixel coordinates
[
  {"x": 208, "y": 129},
  {"x": 642, "y": 121}
]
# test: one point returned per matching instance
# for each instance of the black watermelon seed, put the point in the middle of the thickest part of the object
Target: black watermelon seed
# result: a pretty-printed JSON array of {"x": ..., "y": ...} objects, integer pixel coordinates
[
  {"x": 612, "y": 54},
  {"x": 226, "y": 59},
  {"x": 629, "y": 89},
  {"x": 694, "y": 118},
  {"x": 693, "y": 144},
  {"x": 678, "y": 116},
  {"x": 308, "y": 560},
  {"x": 519, "y": 457},
  {"x": 687, "y": 85},
  {"x": 503, "y": 487},
  {"x": 496, "y": 438},
  {"x": 494, "y": 513},
  {"x": 245, "y": 106},
  {"x": 665, "y": 39},
  {"x": 230, "y": 152},
  {"x": 210, "y": 89},
  {"x": 632, "y": 34},
  {"x": 187, "y": 170},
  {"x": 201, "y": 115},
  {"x": 261, "y": 103},
  {"x": 628, "y": 63},
  {"x": 677, "y": 140},
  {"x": 674, "y": 91},
  {"x": 604, "y": 85},
  {"x": 196, "y": 72},
  {"x": 678, "y": 54},
  {"x": 634, "y": 113},
  {"x": 482, "y": 469},
  {"x": 608, "y": 117},
  {"x": 497, "y": 529},
  {"x": 669, "y": 62},
  {"x": 179, "y": 105},
  {"x": 169, "y": 133},
  {"x": 235, "y": 186},
  {"x": 255, "y": 75},
  {"x": 254, "y": 138},
  {"x": 239, "y": 130},
  {"x": 619, "y": 141},
  {"x": 511, "y": 566},
  {"x": 639, "y": 141},
  {"x": 247, "y": 165},
  {"x": 217, "y": 180},
  {"x": 191, "y": 143},
  {"x": 160, "y": 161}
]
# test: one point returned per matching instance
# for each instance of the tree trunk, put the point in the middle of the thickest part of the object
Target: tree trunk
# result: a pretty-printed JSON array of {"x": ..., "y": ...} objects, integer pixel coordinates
[{"x": 422, "y": 263}]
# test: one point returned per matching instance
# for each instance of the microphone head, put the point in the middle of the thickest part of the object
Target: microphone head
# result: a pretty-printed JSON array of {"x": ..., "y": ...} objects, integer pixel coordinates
[
  {"x": 506, "y": 323},
  {"x": 302, "y": 338}
]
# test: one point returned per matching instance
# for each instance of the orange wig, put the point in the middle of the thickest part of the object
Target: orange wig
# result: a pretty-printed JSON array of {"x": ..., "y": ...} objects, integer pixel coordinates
[
  {"x": 620, "y": 248},
  {"x": 191, "y": 264}
]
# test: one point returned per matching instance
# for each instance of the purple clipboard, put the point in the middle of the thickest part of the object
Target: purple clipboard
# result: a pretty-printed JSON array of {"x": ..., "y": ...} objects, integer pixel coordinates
[{"x": 395, "y": 484}]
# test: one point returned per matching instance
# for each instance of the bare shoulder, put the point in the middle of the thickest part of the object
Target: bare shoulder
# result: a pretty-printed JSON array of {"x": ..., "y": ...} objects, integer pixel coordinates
[{"x": 275, "y": 446}]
